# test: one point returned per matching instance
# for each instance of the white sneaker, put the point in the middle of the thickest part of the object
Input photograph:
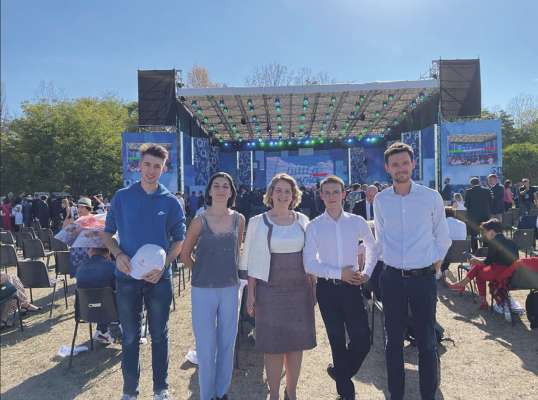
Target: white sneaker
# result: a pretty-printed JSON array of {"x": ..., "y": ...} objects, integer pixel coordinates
[
  {"x": 192, "y": 357},
  {"x": 103, "y": 337},
  {"x": 163, "y": 395},
  {"x": 516, "y": 307}
]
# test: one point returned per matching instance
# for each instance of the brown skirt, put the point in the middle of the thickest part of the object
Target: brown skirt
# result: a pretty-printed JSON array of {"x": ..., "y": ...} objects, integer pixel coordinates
[{"x": 285, "y": 307}]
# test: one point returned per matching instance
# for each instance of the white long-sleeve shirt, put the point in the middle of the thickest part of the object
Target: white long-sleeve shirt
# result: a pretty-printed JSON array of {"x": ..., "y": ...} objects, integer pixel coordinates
[
  {"x": 411, "y": 230},
  {"x": 332, "y": 245}
]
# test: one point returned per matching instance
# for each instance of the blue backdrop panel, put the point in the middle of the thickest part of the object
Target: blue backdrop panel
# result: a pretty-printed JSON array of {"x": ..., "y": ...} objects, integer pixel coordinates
[
  {"x": 470, "y": 148},
  {"x": 131, "y": 142}
]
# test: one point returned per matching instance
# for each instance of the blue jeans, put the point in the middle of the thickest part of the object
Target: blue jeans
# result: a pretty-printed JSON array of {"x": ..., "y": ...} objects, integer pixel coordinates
[
  {"x": 131, "y": 294},
  {"x": 420, "y": 295},
  {"x": 214, "y": 320}
]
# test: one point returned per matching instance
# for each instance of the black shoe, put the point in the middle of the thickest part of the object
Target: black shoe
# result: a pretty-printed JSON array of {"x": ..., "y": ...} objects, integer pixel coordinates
[
  {"x": 286, "y": 397},
  {"x": 225, "y": 397},
  {"x": 331, "y": 372}
]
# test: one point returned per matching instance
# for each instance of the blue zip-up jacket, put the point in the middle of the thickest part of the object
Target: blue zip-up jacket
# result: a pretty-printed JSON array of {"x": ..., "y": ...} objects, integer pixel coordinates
[{"x": 141, "y": 218}]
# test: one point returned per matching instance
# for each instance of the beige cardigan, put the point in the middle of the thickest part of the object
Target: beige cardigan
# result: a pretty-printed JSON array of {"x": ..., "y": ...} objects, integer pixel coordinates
[{"x": 256, "y": 256}]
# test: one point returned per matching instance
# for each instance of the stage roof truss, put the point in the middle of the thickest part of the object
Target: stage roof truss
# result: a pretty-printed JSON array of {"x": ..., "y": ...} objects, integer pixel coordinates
[{"x": 325, "y": 111}]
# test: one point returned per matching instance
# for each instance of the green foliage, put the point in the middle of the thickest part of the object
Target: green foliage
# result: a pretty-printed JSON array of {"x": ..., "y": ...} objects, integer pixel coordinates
[
  {"x": 521, "y": 161},
  {"x": 67, "y": 144}
]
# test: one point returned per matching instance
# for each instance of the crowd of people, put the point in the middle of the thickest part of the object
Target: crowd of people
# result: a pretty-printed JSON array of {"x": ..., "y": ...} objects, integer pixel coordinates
[{"x": 294, "y": 247}]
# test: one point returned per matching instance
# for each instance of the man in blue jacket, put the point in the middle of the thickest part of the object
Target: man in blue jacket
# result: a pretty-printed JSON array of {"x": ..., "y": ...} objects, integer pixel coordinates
[{"x": 145, "y": 213}]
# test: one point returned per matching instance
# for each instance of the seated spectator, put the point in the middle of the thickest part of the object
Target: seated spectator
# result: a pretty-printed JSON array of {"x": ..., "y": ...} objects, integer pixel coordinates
[
  {"x": 502, "y": 253},
  {"x": 7, "y": 309},
  {"x": 457, "y": 231},
  {"x": 457, "y": 202},
  {"x": 97, "y": 272}
]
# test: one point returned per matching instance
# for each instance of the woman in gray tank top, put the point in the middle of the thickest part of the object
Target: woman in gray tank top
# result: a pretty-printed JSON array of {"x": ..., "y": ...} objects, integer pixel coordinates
[{"x": 216, "y": 234}]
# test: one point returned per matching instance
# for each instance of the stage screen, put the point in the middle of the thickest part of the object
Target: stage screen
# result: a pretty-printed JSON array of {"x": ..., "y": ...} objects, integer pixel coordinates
[
  {"x": 472, "y": 149},
  {"x": 307, "y": 167},
  {"x": 131, "y": 143}
]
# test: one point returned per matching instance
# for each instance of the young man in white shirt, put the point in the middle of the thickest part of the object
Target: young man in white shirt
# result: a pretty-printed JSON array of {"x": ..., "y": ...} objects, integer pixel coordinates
[
  {"x": 412, "y": 236},
  {"x": 331, "y": 253}
]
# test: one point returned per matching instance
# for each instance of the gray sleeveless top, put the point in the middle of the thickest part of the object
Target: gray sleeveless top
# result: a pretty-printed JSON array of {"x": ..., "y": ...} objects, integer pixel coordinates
[{"x": 216, "y": 257}]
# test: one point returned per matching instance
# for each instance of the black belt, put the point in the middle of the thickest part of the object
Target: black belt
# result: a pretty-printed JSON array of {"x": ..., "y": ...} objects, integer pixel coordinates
[
  {"x": 335, "y": 282},
  {"x": 408, "y": 273}
]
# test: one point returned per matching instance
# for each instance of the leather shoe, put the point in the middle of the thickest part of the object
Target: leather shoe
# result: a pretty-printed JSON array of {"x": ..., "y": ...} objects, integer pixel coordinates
[{"x": 331, "y": 372}]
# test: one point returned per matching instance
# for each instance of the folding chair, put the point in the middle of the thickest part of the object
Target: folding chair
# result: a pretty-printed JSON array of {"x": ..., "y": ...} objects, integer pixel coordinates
[
  {"x": 5, "y": 297},
  {"x": 6, "y": 237},
  {"x": 459, "y": 253},
  {"x": 508, "y": 222},
  {"x": 45, "y": 235},
  {"x": 34, "y": 275},
  {"x": 93, "y": 306},
  {"x": 36, "y": 225},
  {"x": 58, "y": 245},
  {"x": 524, "y": 238},
  {"x": 21, "y": 237},
  {"x": 62, "y": 267},
  {"x": 8, "y": 256},
  {"x": 34, "y": 250},
  {"x": 30, "y": 230},
  {"x": 523, "y": 277}
]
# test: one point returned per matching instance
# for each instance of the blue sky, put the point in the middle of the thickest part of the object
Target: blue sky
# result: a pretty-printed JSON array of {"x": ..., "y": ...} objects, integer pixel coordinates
[{"x": 94, "y": 48}]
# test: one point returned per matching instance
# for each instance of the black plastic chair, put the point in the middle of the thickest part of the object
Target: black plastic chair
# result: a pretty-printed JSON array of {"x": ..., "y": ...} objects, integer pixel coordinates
[
  {"x": 34, "y": 275},
  {"x": 5, "y": 299},
  {"x": 524, "y": 238},
  {"x": 508, "y": 222},
  {"x": 30, "y": 230},
  {"x": 58, "y": 245},
  {"x": 97, "y": 306},
  {"x": 6, "y": 237},
  {"x": 34, "y": 250},
  {"x": 8, "y": 256},
  {"x": 62, "y": 267},
  {"x": 45, "y": 235},
  {"x": 21, "y": 237}
]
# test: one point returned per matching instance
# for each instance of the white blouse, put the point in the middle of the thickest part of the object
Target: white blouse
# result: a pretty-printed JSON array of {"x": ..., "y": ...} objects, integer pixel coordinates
[{"x": 287, "y": 238}]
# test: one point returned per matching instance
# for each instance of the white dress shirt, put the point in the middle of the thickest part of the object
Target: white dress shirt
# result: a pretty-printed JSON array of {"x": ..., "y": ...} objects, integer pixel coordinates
[
  {"x": 411, "y": 230},
  {"x": 456, "y": 229},
  {"x": 332, "y": 245}
]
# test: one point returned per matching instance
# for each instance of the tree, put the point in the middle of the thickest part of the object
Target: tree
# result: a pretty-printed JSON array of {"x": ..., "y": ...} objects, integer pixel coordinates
[
  {"x": 524, "y": 109},
  {"x": 279, "y": 75},
  {"x": 75, "y": 143},
  {"x": 521, "y": 161},
  {"x": 198, "y": 77}
]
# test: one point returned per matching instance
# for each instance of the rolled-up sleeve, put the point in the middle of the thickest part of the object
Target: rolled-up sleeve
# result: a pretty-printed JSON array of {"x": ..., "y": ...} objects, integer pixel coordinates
[
  {"x": 312, "y": 262},
  {"x": 441, "y": 235}
]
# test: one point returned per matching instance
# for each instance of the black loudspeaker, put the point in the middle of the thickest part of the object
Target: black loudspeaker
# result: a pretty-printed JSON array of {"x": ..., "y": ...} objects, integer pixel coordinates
[
  {"x": 157, "y": 97},
  {"x": 460, "y": 88}
]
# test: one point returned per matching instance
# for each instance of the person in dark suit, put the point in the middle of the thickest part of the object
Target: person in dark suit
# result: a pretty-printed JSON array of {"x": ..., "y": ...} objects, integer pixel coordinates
[
  {"x": 365, "y": 207},
  {"x": 478, "y": 201},
  {"x": 497, "y": 205},
  {"x": 43, "y": 212},
  {"x": 446, "y": 193}
]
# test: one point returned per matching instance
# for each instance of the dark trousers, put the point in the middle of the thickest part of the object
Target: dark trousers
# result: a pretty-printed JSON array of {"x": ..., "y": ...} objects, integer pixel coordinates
[
  {"x": 420, "y": 295},
  {"x": 342, "y": 309}
]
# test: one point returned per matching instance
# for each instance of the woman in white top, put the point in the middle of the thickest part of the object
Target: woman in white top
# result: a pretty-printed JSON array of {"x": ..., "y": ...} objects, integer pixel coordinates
[
  {"x": 457, "y": 202},
  {"x": 280, "y": 294}
]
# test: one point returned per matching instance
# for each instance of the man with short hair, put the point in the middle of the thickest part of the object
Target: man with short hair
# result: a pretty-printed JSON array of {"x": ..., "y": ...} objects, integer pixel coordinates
[
  {"x": 331, "y": 253},
  {"x": 145, "y": 213},
  {"x": 412, "y": 237},
  {"x": 478, "y": 201},
  {"x": 446, "y": 193},
  {"x": 527, "y": 196},
  {"x": 497, "y": 203},
  {"x": 365, "y": 207}
]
